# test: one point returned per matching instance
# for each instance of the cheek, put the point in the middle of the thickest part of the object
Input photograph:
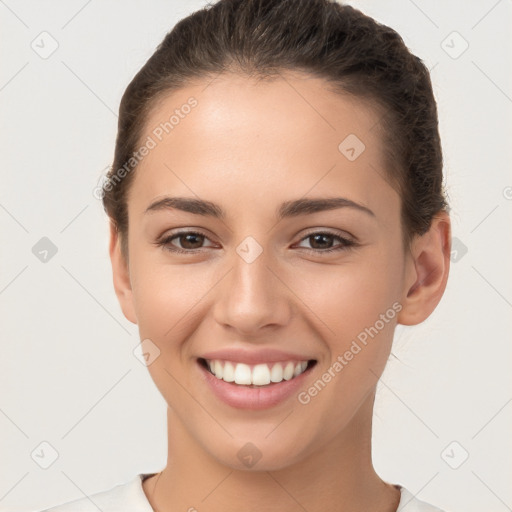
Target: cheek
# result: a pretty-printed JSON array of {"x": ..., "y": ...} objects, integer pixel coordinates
[
  {"x": 350, "y": 297},
  {"x": 358, "y": 308},
  {"x": 167, "y": 297}
]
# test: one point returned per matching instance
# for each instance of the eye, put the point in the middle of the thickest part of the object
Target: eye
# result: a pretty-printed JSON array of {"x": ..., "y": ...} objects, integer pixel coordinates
[
  {"x": 190, "y": 241},
  {"x": 323, "y": 242}
]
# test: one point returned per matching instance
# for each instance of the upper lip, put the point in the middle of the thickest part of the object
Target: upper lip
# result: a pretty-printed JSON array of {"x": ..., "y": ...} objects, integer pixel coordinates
[{"x": 254, "y": 356}]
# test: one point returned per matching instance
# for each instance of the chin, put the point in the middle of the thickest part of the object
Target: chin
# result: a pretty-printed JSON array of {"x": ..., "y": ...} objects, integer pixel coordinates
[{"x": 258, "y": 455}]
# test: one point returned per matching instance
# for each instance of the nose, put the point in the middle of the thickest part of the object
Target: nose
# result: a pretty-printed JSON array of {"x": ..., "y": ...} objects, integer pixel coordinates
[{"x": 252, "y": 297}]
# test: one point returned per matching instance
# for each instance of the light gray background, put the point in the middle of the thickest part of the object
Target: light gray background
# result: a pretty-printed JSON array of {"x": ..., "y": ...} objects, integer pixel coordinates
[{"x": 68, "y": 375}]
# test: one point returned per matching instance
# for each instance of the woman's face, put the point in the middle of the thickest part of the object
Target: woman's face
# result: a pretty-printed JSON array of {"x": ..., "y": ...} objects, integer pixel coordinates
[{"x": 258, "y": 282}]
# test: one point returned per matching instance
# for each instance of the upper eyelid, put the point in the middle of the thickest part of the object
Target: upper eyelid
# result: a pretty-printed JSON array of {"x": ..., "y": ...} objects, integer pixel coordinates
[{"x": 328, "y": 231}]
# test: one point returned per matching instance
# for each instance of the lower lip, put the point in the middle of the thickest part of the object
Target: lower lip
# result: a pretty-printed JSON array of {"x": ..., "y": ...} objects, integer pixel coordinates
[{"x": 245, "y": 397}]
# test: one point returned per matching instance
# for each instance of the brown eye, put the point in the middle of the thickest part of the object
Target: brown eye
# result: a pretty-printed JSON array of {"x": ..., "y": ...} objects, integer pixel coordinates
[
  {"x": 187, "y": 241},
  {"x": 323, "y": 242},
  {"x": 190, "y": 240}
]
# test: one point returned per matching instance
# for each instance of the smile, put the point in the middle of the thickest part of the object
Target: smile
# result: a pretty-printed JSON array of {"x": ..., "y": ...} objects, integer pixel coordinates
[{"x": 255, "y": 375}]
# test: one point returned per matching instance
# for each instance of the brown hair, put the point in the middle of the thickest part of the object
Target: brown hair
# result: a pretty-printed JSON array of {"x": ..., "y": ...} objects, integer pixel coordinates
[{"x": 355, "y": 54}]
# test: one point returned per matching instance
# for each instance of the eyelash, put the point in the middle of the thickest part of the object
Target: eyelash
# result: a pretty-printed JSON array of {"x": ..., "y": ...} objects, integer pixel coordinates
[{"x": 345, "y": 242}]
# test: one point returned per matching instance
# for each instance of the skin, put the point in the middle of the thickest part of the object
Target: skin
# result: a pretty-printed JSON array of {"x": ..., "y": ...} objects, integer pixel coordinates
[{"x": 249, "y": 147}]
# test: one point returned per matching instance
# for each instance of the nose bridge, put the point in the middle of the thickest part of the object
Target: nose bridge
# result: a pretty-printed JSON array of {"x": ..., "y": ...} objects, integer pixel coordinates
[{"x": 251, "y": 296}]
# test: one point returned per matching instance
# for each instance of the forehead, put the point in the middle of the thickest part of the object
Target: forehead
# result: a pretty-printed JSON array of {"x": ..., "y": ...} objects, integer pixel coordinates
[
  {"x": 237, "y": 133},
  {"x": 288, "y": 104}
]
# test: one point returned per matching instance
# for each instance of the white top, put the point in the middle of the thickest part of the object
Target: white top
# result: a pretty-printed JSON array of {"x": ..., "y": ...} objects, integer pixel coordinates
[{"x": 130, "y": 497}]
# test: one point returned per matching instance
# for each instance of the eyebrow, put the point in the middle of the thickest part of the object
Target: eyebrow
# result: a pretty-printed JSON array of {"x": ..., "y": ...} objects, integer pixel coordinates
[{"x": 286, "y": 210}]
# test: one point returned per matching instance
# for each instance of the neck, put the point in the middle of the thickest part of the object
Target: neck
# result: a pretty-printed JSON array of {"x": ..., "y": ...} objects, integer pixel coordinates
[{"x": 337, "y": 476}]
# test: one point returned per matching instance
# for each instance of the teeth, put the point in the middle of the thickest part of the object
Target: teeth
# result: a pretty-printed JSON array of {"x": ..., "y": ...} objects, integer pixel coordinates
[
  {"x": 288, "y": 371},
  {"x": 228, "y": 373},
  {"x": 243, "y": 374},
  {"x": 261, "y": 375},
  {"x": 218, "y": 369},
  {"x": 257, "y": 375},
  {"x": 276, "y": 374}
]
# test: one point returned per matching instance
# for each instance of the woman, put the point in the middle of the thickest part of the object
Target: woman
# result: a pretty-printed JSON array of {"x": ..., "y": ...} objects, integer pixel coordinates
[{"x": 276, "y": 208}]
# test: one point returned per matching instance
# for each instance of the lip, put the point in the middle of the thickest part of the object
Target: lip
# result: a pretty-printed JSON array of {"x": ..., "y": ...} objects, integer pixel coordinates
[
  {"x": 253, "y": 398},
  {"x": 254, "y": 356}
]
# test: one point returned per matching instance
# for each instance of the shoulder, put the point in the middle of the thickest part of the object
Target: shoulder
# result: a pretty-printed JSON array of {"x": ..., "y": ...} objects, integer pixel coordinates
[
  {"x": 409, "y": 503},
  {"x": 127, "y": 497}
]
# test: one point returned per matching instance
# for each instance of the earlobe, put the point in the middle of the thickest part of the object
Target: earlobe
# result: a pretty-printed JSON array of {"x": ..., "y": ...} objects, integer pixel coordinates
[
  {"x": 427, "y": 272},
  {"x": 121, "y": 275}
]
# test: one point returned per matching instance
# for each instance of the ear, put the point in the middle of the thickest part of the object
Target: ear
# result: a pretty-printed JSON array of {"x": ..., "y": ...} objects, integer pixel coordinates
[
  {"x": 121, "y": 275},
  {"x": 427, "y": 268}
]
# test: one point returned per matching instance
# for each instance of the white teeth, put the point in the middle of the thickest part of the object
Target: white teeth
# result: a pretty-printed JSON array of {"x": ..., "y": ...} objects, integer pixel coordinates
[
  {"x": 288, "y": 371},
  {"x": 228, "y": 372},
  {"x": 261, "y": 375},
  {"x": 243, "y": 374},
  {"x": 276, "y": 374},
  {"x": 218, "y": 369},
  {"x": 257, "y": 375}
]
